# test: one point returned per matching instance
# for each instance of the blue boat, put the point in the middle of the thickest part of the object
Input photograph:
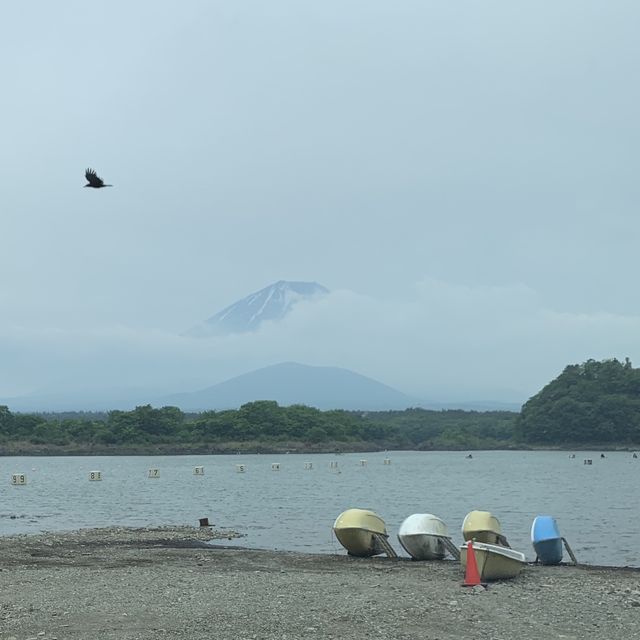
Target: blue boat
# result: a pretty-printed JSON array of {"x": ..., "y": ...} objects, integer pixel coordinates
[{"x": 546, "y": 540}]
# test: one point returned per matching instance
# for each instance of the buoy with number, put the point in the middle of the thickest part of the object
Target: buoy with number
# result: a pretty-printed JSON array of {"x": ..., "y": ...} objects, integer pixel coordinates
[
  {"x": 18, "y": 478},
  {"x": 275, "y": 466},
  {"x": 95, "y": 475},
  {"x": 240, "y": 468},
  {"x": 198, "y": 471},
  {"x": 154, "y": 473}
]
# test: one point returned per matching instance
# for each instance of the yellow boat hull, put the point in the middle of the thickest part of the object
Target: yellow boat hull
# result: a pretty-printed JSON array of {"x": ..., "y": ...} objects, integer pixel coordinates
[
  {"x": 483, "y": 527},
  {"x": 495, "y": 562},
  {"x": 357, "y": 530}
]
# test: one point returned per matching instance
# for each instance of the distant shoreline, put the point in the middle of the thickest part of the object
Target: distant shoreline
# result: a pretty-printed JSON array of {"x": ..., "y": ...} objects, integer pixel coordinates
[{"x": 20, "y": 449}]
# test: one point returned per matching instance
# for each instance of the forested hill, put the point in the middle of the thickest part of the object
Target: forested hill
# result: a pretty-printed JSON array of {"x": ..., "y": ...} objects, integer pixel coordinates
[{"x": 594, "y": 402}]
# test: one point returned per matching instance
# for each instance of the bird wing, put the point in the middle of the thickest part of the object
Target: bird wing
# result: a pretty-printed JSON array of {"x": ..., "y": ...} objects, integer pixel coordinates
[{"x": 93, "y": 179}]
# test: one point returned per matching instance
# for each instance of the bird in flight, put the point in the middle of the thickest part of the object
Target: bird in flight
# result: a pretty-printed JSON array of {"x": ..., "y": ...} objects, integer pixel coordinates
[{"x": 94, "y": 181}]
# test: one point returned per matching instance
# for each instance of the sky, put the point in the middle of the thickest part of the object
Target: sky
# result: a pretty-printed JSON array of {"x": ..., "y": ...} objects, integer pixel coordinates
[{"x": 462, "y": 176}]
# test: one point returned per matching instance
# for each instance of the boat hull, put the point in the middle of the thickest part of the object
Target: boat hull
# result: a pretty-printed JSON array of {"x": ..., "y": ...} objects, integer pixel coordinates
[
  {"x": 495, "y": 562},
  {"x": 482, "y": 526},
  {"x": 421, "y": 536},
  {"x": 422, "y": 546},
  {"x": 546, "y": 540},
  {"x": 358, "y": 531}
]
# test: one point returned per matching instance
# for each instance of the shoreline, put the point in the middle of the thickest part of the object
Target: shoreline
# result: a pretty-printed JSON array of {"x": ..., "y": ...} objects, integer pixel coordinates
[
  {"x": 25, "y": 451},
  {"x": 212, "y": 538},
  {"x": 184, "y": 582}
]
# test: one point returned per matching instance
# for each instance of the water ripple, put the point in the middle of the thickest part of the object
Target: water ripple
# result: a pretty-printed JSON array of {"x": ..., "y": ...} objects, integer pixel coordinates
[{"x": 293, "y": 508}]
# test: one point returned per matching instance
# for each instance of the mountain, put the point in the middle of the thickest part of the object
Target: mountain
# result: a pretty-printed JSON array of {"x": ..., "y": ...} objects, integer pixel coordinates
[
  {"x": 271, "y": 303},
  {"x": 292, "y": 383}
]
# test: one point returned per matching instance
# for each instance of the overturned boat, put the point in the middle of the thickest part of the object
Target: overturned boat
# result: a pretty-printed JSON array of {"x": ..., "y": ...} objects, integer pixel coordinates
[
  {"x": 494, "y": 561},
  {"x": 483, "y": 526},
  {"x": 425, "y": 537},
  {"x": 547, "y": 541},
  {"x": 362, "y": 533}
]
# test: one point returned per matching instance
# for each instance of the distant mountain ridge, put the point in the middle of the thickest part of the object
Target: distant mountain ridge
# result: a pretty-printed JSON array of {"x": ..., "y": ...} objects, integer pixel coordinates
[
  {"x": 354, "y": 392},
  {"x": 272, "y": 303},
  {"x": 293, "y": 383}
]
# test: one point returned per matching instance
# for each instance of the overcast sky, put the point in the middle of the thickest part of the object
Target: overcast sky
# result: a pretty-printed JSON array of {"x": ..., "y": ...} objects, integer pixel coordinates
[{"x": 461, "y": 174}]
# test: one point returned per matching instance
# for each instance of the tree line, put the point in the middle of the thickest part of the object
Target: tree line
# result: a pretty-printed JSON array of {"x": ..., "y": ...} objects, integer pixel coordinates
[
  {"x": 593, "y": 403},
  {"x": 262, "y": 425}
]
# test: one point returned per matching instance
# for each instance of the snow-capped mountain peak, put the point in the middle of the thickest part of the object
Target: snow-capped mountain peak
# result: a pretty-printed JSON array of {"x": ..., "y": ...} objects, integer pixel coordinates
[{"x": 269, "y": 304}]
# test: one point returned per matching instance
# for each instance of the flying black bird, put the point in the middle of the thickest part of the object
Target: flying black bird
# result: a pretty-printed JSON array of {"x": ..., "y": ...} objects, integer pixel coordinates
[{"x": 94, "y": 181}]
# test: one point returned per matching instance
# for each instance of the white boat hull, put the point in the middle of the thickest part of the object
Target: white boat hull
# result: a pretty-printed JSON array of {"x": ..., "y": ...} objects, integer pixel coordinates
[
  {"x": 422, "y": 546},
  {"x": 422, "y": 536}
]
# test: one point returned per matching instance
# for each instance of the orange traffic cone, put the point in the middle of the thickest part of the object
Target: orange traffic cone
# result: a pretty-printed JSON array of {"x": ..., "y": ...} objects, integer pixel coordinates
[{"x": 471, "y": 574}]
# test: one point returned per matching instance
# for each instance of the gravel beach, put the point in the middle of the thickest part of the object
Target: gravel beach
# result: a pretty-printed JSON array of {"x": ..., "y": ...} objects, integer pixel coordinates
[{"x": 184, "y": 583}]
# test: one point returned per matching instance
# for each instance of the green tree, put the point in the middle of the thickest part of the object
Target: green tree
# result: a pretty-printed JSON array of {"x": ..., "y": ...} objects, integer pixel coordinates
[{"x": 595, "y": 402}]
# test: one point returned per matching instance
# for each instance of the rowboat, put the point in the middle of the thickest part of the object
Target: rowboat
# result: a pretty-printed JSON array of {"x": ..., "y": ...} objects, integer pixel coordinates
[
  {"x": 494, "y": 561},
  {"x": 483, "y": 527},
  {"x": 425, "y": 537},
  {"x": 362, "y": 533},
  {"x": 546, "y": 540}
]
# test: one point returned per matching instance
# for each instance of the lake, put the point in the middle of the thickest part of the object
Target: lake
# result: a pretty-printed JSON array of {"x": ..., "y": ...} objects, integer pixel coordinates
[{"x": 293, "y": 508}]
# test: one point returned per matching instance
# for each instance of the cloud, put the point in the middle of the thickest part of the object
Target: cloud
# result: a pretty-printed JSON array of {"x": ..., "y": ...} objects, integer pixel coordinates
[{"x": 444, "y": 342}]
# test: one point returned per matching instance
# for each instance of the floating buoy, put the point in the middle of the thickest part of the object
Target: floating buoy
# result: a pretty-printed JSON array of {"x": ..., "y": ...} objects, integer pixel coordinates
[
  {"x": 308, "y": 465},
  {"x": 198, "y": 471},
  {"x": 18, "y": 478},
  {"x": 95, "y": 475},
  {"x": 240, "y": 468},
  {"x": 154, "y": 473},
  {"x": 386, "y": 461},
  {"x": 588, "y": 461},
  {"x": 363, "y": 463},
  {"x": 275, "y": 466}
]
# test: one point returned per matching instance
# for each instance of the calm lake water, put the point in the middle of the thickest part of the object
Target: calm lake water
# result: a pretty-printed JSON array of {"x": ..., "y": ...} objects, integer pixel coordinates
[{"x": 294, "y": 508}]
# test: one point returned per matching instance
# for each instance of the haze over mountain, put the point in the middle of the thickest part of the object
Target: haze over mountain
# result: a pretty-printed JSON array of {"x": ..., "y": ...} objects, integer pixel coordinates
[
  {"x": 287, "y": 383},
  {"x": 272, "y": 303},
  {"x": 262, "y": 325},
  {"x": 293, "y": 383},
  {"x": 461, "y": 176}
]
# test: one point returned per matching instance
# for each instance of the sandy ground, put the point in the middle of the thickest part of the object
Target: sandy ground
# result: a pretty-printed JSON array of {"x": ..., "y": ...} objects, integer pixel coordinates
[{"x": 183, "y": 583}]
